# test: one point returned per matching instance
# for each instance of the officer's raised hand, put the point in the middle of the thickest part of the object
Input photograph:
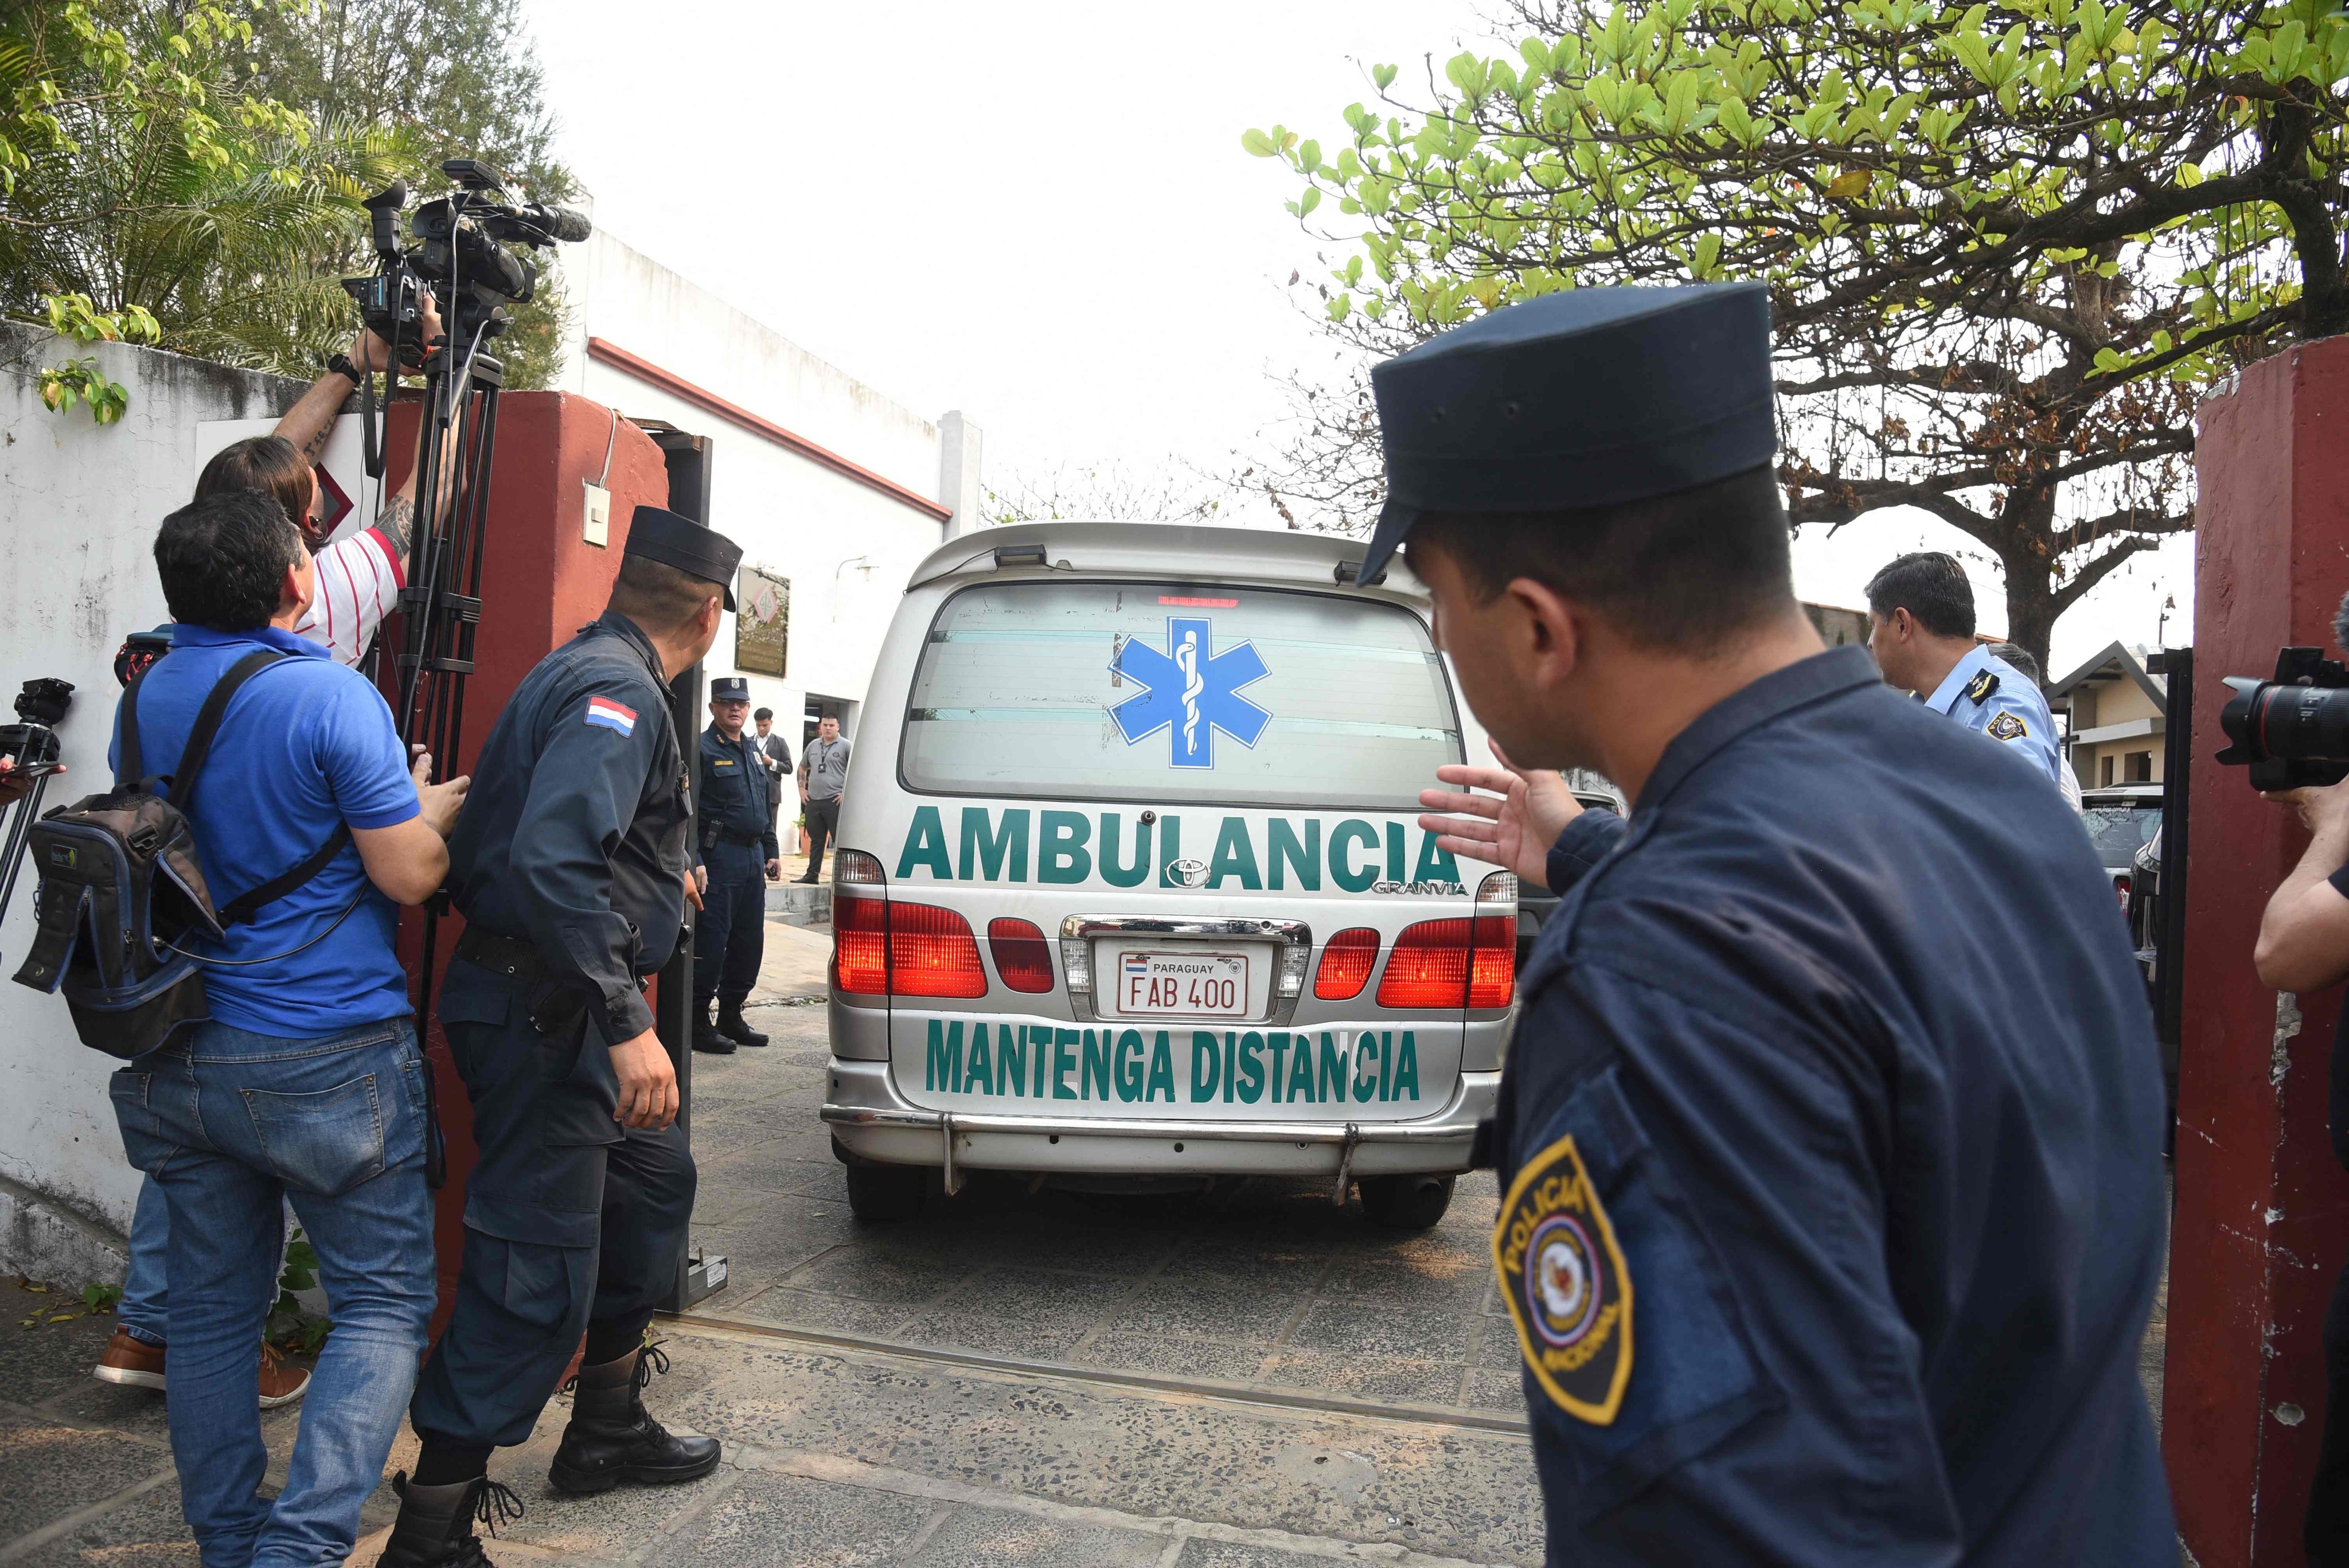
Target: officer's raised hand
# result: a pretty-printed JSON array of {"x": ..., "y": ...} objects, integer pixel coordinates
[
  {"x": 1514, "y": 825},
  {"x": 648, "y": 1083}
]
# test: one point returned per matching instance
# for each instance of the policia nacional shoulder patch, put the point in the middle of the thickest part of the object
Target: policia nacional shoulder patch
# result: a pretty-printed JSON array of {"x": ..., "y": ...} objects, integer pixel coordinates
[
  {"x": 1568, "y": 1289},
  {"x": 2004, "y": 727}
]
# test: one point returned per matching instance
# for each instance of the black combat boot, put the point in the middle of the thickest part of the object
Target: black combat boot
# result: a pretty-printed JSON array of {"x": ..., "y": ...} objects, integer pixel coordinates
[
  {"x": 434, "y": 1529},
  {"x": 734, "y": 1026},
  {"x": 705, "y": 1037},
  {"x": 613, "y": 1438}
]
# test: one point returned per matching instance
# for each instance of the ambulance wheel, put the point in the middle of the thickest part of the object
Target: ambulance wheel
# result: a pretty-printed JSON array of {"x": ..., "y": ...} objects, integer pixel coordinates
[
  {"x": 886, "y": 1191},
  {"x": 1405, "y": 1202}
]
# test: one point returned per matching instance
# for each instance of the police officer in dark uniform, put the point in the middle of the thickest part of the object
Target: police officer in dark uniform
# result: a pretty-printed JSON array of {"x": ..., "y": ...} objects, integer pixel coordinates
[
  {"x": 738, "y": 844},
  {"x": 1830, "y": 1136},
  {"x": 571, "y": 868}
]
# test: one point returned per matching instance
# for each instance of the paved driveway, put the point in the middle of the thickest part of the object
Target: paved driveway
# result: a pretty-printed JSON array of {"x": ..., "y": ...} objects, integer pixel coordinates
[
  {"x": 1257, "y": 1284},
  {"x": 1249, "y": 1378}
]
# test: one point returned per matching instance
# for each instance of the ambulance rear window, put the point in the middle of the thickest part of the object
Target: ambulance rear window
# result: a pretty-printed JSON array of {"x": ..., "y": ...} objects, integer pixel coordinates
[{"x": 1148, "y": 692}]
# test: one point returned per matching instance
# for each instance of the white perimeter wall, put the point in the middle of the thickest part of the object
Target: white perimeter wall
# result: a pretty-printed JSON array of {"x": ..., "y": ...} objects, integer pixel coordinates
[
  {"x": 78, "y": 509},
  {"x": 791, "y": 515}
]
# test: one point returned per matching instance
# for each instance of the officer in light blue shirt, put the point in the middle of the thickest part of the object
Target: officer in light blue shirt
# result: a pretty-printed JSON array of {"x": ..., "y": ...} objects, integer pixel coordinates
[{"x": 1920, "y": 625}]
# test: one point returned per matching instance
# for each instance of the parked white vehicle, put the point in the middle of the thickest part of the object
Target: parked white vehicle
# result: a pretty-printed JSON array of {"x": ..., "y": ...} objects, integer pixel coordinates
[{"x": 1131, "y": 882}]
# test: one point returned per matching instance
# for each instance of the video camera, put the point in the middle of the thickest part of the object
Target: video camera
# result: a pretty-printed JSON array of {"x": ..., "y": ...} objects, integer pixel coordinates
[
  {"x": 465, "y": 254},
  {"x": 2292, "y": 731}
]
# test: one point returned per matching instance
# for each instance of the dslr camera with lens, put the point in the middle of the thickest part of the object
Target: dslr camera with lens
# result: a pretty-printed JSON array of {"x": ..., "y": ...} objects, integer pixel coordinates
[{"x": 2292, "y": 731}]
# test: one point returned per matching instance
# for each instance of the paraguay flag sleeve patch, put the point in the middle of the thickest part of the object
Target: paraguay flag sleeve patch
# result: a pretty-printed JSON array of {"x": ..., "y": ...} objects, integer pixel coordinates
[
  {"x": 611, "y": 715},
  {"x": 1568, "y": 1288}
]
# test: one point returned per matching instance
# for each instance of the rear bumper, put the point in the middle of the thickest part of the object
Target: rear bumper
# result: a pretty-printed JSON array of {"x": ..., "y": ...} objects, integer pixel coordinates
[{"x": 872, "y": 1121}]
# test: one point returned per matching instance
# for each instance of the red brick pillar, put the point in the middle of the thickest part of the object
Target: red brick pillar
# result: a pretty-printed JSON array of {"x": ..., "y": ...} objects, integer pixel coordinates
[
  {"x": 540, "y": 582},
  {"x": 2261, "y": 1221}
]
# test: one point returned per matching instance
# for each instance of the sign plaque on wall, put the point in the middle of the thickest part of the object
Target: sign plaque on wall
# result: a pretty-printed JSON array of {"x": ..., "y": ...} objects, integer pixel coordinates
[{"x": 762, "y": 622}]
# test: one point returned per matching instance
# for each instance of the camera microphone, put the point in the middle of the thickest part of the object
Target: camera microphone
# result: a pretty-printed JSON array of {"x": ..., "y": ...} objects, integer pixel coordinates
[{"x": 564, "y": 224}]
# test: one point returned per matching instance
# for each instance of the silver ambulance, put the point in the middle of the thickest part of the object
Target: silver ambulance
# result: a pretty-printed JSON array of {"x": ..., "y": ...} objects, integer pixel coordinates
[{"x": 1130, "y": 887}]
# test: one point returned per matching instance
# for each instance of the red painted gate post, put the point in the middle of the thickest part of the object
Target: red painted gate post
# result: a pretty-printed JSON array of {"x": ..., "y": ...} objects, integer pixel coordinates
[
  {"x": 540, "y": 582},
  {"x": 2261, "y": 1219}
]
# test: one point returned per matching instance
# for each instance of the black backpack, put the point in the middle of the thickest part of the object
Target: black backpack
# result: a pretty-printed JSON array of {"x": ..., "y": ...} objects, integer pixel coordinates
[{"x": 120, "y": 890}]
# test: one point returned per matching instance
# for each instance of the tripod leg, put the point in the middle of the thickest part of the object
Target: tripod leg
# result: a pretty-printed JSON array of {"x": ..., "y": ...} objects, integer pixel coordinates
[{"x": 20, "y": 827}]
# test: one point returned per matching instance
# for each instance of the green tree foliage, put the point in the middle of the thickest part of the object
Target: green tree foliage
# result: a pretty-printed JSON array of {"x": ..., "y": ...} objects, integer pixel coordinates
[
  {"x": 84, "y": 380},
  {"x": 143, "y": 180},
  {"x": 203, "y": 162},
  {"x": 459, "y": 80},
  {"x": 2008, "y": 247},
  {"x": 454, "y": 71}
]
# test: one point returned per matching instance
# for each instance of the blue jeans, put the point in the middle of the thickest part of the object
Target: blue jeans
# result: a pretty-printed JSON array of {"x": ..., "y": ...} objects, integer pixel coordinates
[
  {"x": 229, "y": 1125},
  {"x": 145, "y": 1308}
]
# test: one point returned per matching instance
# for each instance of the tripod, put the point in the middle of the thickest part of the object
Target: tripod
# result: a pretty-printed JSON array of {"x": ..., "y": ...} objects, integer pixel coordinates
[
  {"x": 440, "y": 609},
  {"x": 31, "y": 748}
]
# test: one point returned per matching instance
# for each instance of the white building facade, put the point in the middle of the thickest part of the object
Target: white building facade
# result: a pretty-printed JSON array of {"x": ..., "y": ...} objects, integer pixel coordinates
[{"x": 825, "y": 483}]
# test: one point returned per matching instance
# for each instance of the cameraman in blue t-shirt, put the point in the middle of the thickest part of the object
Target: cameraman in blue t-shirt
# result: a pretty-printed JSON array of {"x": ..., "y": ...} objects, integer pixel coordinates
[{"x": 307, "y": 1083}]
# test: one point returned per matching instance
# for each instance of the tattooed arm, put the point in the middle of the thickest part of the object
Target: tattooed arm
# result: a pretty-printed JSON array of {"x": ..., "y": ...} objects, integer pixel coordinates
[
  {"x": 398, "y": 519},
  {"x": 311, "y": 419},
  {"x": 398, "y": 523}
]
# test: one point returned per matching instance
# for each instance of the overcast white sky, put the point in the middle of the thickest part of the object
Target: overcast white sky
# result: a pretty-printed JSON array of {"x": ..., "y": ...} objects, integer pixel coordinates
[{"x": 1040, "y": 213}]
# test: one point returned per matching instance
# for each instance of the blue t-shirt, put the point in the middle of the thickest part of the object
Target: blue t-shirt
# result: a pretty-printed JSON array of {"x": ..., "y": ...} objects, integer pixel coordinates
[{"x": 305, "y": 744}]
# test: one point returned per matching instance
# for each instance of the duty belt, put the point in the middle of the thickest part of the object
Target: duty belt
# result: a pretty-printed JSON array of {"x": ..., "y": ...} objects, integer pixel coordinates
[
  {"x": 737, "y": 836},
  {"x": 508, "y": 955},
  {"x": 555, "y": 1008},
  {"x": 505, "y": 955}
]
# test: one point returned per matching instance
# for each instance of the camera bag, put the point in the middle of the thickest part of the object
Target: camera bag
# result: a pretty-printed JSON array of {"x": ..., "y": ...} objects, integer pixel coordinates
[{"x": 120, "y": 890}]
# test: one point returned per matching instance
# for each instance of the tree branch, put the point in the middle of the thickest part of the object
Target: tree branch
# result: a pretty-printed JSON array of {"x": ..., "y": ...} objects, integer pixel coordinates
[{"x": 2095, "y": 572}]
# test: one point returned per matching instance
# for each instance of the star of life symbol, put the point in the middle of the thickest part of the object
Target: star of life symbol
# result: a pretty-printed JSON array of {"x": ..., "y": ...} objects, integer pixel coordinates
[{"x": 1193, "y": 691}]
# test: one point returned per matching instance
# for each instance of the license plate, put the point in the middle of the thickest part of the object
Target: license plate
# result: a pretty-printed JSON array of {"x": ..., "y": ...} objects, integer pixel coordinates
[{"x": 1188, "y": 985}]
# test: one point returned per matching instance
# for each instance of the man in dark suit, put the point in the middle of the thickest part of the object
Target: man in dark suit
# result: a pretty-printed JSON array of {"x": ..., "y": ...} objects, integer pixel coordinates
[{"x": 776, "y": 752}]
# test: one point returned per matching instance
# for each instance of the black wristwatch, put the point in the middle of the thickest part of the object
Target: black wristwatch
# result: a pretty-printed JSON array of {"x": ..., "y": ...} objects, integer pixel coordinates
[{"x": 341, "y": 365}]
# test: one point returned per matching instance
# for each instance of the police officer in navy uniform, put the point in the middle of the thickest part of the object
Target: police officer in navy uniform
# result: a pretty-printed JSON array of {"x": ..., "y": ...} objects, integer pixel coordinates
[
  {"x": 1830, "y": 1135},
  {"x": 738, "y": 844},
  {"x": 572, "y": 867}
]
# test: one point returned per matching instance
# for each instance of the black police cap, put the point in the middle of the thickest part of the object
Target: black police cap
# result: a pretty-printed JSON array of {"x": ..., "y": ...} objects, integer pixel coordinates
[
  {"x": 1587, "y": 396},
  {"x": 730, "y": 688},
  {"x": 674, "y": 540}
]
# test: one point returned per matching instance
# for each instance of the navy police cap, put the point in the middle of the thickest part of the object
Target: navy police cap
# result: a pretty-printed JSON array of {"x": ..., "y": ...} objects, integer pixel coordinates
[
  {"x": 1587, "y": 396},
  {"x": 675, "y": 540},
  {"x": 730, "y": 688}
]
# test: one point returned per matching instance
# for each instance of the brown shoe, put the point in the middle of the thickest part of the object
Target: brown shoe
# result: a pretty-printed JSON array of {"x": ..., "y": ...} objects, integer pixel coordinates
[
  {"x": 280, "y": 1382},
  {"x": 131, "y": 1361}
]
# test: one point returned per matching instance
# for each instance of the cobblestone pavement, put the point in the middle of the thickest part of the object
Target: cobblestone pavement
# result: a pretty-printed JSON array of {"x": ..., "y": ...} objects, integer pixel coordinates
[
  {"x": 1245, "y": 1379},
  {"x": 1261, "y": 1285}
]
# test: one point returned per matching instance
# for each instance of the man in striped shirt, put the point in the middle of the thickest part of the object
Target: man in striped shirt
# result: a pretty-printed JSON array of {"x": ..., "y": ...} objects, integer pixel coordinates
[{"x": 360, "y": 575}]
